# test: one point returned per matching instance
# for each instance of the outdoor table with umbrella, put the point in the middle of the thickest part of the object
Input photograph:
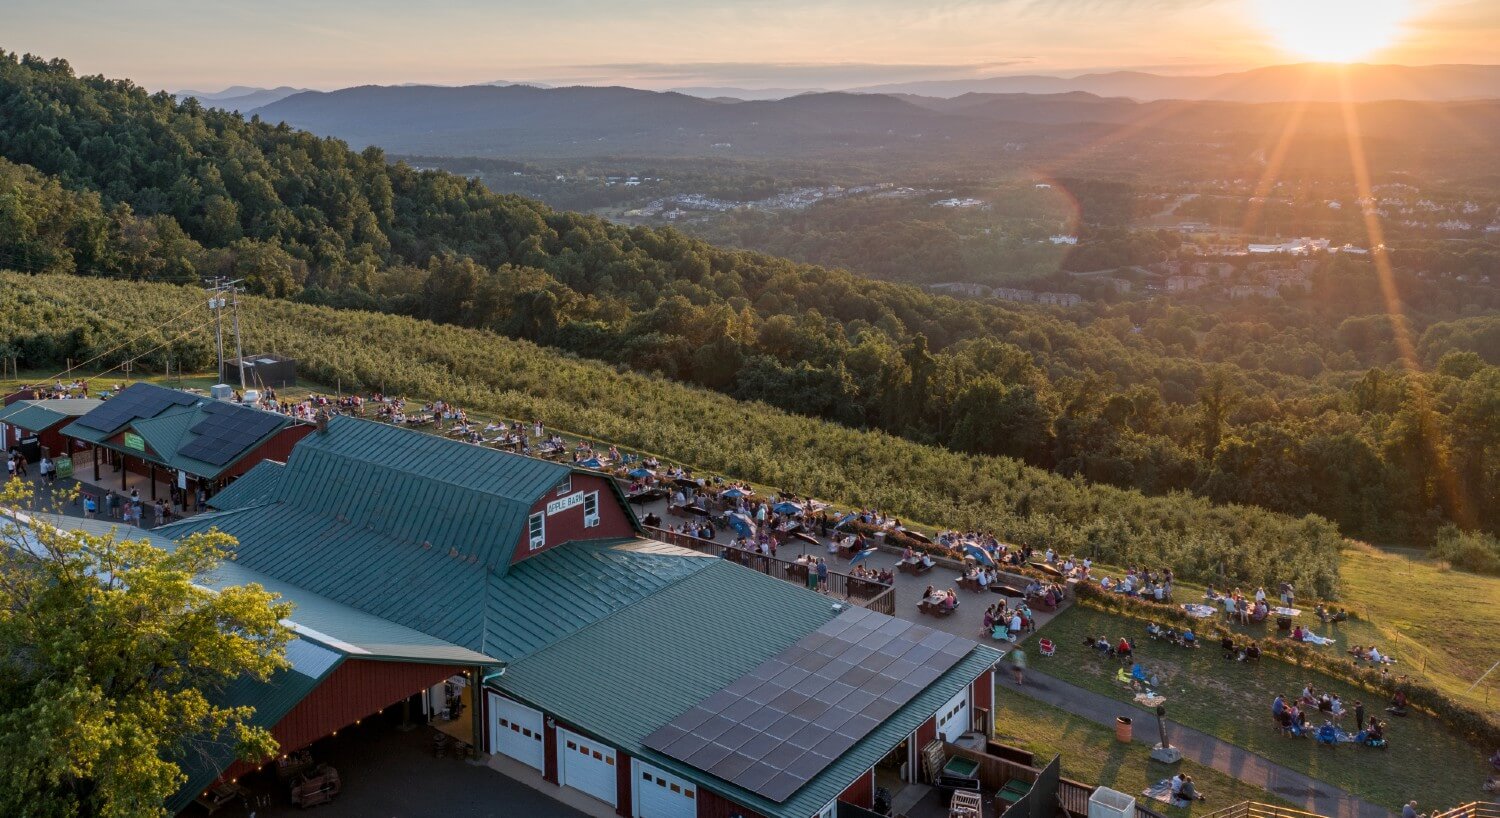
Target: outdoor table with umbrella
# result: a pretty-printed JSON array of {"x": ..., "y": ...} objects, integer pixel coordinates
[
  {"x": 741, "y": 523},
  {"x": 688, "y": 483},
  {"x": 734, "y": 493},
  {"x": 787, "y": 507},
  {"x": 641, "y": 473}
]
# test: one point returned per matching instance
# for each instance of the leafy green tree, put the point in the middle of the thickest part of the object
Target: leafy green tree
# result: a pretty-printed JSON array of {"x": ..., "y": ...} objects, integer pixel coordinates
[{"x": 110, "y": 655}]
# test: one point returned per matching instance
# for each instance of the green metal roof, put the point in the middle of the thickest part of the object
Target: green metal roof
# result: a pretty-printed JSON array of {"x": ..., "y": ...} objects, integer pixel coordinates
[
  {"x": 253, "y": 488},
  {"x": 359, "y": 564},
  {"x": 314, "y": 617},
  {"x": 272, "y": 699},
  {"x": 564, "y": 590},
  {"x": 664, "y": 654},
  {"x": 419, "y": 487},
  {"x": 36, "y": 415}
]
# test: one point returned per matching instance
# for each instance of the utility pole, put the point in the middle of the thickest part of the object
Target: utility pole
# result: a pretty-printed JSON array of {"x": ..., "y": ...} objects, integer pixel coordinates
[
  {"x": 239, "y": 352},
  {"x": 216, "y": 303}
]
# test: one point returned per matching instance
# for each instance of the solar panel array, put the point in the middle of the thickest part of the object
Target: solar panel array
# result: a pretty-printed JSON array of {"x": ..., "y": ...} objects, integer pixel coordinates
[
  {"x": 778, "y": 726},
  {"x": 141, "y": 400},
  {"x": 227, "y": 432}
]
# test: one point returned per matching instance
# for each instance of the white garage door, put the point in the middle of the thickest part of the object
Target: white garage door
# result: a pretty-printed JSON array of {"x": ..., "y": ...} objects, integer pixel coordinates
[
  {"x": 516, "y": 731},
  {"x": 586, "y": 766},
  {"x": 953, "y": 719},
  {"x": 661, "y": 795}
]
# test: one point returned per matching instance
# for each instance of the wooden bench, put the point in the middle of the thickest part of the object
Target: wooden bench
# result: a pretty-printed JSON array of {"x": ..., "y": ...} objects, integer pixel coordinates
[{"x": 970, "y": 584}]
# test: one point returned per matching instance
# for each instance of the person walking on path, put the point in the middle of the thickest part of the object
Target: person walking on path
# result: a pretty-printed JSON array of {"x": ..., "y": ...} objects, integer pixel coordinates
[{"x": 1018, "y": 664}]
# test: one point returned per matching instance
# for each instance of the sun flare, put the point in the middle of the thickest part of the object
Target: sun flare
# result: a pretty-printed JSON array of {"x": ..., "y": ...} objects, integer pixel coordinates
[{"x": 1334, "y": 30}]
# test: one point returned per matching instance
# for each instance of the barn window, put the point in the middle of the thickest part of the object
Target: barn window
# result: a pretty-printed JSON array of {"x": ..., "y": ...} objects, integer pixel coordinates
[
  {"x": 591, "y": 509},
  {"x": 536, "y": 528}
]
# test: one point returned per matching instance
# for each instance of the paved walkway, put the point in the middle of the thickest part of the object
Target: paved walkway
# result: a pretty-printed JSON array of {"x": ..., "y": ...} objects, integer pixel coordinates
[{"x": 1296, "y": 788}]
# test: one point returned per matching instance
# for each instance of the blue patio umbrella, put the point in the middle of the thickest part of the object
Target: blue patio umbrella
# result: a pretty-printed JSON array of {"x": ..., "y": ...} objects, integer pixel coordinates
[
  {"x": 979, "y": 554},
  {"x": 591, "y": 463},
  {"x": 787, "y": 507},
  {"x": 861, "y": 555},
  {"x": 845, "y": 520},
  {"x": 733, "y": 493},
  {"x": 640, "y": 472},
  {"x": 741, "y": 523}
]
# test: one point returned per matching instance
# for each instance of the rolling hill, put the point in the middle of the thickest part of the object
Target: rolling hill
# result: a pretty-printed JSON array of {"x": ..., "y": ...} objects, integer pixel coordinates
[{"x": 592, "y": 121}]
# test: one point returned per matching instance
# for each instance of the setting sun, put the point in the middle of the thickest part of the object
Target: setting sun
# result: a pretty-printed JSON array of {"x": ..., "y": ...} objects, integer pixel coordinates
[{"x": 1334, "y": 30}]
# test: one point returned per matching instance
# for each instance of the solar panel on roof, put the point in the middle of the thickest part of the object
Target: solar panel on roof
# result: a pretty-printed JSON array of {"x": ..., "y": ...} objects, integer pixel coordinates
[
  {"x": 228, "y": 431},
  {"x": 141, "y": 400},
  {"x": 778, "y": 726}
]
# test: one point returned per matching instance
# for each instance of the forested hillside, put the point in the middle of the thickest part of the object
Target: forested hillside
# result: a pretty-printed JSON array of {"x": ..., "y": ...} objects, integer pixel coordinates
[
  {"x": 1298, "y": 416},
  {"x": 58, "y": 316}
]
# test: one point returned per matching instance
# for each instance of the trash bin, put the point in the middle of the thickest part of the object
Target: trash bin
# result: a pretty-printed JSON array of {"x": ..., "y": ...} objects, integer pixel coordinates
[{"x": 1123, "y": 728}]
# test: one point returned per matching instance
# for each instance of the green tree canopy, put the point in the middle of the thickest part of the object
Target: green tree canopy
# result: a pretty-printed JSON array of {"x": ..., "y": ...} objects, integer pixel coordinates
[{"x": 110, "y": 656}]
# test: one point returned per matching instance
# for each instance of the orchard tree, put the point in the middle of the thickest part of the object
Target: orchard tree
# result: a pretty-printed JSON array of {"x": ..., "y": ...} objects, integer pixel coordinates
[{"x": 110, "y": 656}]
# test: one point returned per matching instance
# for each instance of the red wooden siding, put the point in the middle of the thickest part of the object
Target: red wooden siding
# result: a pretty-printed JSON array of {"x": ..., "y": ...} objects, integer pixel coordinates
[
  {"x": 927, "y": 732},
  {"x": 567, "y": 525},
  {"x": 549, "y": 746},
  {"x": 357, "y": 689},
  {"x": 624, "y": 779},
  {"x": 278, "y": 448},
  {"x": 862, "y": 792},
  {"x": 49, "y": 438},
  {"x": 982, "y": 696},
  {"x": 713, "y": 805}
]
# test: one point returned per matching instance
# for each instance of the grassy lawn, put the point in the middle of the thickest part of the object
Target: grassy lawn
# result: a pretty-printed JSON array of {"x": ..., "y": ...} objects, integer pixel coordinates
[
  {"x": 1232, "y": 700},
  {"x": 1091, "y": 754},
  {"x": 1443, "y": 624}
]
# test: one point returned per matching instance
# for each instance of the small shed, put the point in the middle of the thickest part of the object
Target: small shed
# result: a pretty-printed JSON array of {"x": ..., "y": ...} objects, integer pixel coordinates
[{"x": 261, "y": 372}]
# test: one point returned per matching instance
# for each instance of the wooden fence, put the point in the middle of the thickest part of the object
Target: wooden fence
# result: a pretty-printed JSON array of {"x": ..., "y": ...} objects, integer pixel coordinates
[
  {"x": 866, "y": 593},
  {"x": 1255, "y": 809}
]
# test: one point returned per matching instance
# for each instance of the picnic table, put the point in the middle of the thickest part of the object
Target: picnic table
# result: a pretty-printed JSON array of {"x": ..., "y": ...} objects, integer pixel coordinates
[
  {"x": 970, "y": 584},
  {"x": 913, "y": 567},
  {"x": 1281, "y": 611},
  {"x": 937, "y": 609}
]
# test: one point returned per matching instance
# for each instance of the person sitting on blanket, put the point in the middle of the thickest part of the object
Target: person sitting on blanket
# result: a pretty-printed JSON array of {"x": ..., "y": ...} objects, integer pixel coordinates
[
  {"x": 1253, "y": 652},
  {"x": 1188, "y": 791},
  {"x": 1227, "y": 643},
  {"x": 1153, "y": 630},
  {"x": 1188, "y": 638},
  {"x": 1106, "y": 583},
  {"x": 1124, "y": 649},
  {"x": 1297, "y": 633},
  {"x": 1398, "y": 704}
]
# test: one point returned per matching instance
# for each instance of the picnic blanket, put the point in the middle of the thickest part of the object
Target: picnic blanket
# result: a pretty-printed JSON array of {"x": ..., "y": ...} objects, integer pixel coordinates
[
  {"x": 1162, "y": 791},
  {"x": 1150, "y": 699},
  {"x": 1200, "y": 611}
]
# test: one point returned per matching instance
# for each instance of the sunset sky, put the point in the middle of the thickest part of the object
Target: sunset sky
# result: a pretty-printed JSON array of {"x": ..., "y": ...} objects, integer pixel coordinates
[{"x": 206, "y": 45}]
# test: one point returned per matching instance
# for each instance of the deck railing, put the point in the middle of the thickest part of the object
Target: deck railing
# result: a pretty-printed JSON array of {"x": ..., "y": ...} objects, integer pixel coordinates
[
  {"x": 1474, "y": 809},
  {"x": 1255, "y": 809},
  {"x": 866, "y": 593}
]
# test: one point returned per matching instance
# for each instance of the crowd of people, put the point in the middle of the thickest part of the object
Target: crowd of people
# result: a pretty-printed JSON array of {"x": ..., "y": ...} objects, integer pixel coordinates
[
  {"x": 1004, "y": 622},
  {"x": 1293, "y": 717}
]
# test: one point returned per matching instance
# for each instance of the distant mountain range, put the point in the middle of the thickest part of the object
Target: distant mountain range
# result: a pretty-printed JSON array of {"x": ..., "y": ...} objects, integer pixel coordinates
[
  {"x": 240, "y": 97},
  {"x": 520, "y": 120},
  {"x": 1279, "y": 83}
]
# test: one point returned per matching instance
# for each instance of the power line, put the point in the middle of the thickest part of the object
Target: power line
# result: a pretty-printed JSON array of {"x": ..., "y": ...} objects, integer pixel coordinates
[{"x": 131, "y": 360}]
